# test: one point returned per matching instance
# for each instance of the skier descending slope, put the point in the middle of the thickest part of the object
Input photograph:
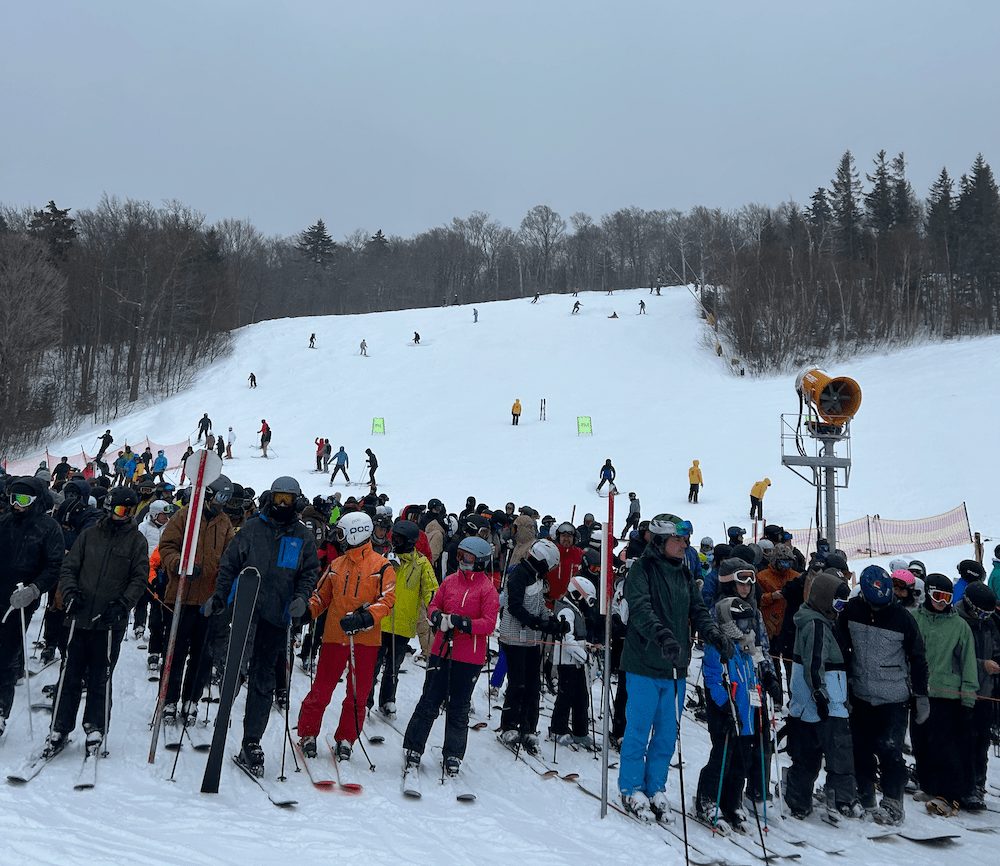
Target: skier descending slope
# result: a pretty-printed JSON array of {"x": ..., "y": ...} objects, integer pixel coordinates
[
  {"x": 664, "y": 604},
  {"x": 283, "y": 550},
  {"x": 464, "y": 614},
  {"x": 357, "y": 590}
]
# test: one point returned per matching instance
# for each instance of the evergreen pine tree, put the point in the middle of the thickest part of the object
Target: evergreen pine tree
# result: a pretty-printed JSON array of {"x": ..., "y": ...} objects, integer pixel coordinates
[
  {"x": 978, "y": 218},
  {"x": 845, "y": 202},
  {"x": 878, "y": 201},
  {"x": 905, "y": 210},
  {"x": 378, "y": 244},
  {"x": 54, "y": 226},
  {"x": 316, "y": 244},
  {"x": 940, "y": 221}
]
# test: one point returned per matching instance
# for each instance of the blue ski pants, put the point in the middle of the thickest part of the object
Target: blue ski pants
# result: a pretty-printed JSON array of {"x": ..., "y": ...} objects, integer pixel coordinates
[{"x": 650, "y": 733}]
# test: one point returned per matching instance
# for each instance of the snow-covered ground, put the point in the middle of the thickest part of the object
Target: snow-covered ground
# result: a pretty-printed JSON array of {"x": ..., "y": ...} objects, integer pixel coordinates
[{"x": 924, "y": 441}]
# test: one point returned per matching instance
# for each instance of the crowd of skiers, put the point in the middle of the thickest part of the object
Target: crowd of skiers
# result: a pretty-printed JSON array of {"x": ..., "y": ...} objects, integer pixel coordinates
[{"x": 853, "y": 665}]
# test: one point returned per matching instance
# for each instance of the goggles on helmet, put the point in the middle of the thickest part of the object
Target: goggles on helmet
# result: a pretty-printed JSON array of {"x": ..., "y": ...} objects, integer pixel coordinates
[
  {"x": 978, "y": 612},
  {"x": 940, "y": 596},
  {"x": 22, "y": 499}
]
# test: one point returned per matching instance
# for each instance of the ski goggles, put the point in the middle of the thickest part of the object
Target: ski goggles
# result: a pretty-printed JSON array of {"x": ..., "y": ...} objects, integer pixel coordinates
[
  {"x": 978, "y": 612},
  {"x": 745, "y": 576},
  {"x": 466, "y": 560},
  {"x": 839, "y": 604},
  {"x": 122, "y": 510},
  {"x": 283, "y": 499},
  {"x": 22, "y": 499},
  {"x": 783, "y": 564},
  {"x": 940, "y": 596}
]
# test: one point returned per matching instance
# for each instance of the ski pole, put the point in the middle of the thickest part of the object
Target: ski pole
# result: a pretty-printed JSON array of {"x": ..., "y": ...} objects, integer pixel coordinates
[
  {"x": 62, "y": 676},
  {"x": 288, "y": 700},
  {"x": 555, "y": 737},
  {"x": 777, "y": 763},
  {"x": 722, "y": 776},
  {"x": 354, "y": 701},
  {"x": 27, "y": 675},
  {"x": 590, "y": 694},
  {"x": 446, "y": 659},
  {"x": 763, "y": 780},
  {"x": 103, "y": 752},
  {"x": 679, "y": 709}
]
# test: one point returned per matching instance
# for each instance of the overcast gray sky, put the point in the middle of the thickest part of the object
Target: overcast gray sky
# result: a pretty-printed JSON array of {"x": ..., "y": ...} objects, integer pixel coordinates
[{"x": 401, "y": 114}]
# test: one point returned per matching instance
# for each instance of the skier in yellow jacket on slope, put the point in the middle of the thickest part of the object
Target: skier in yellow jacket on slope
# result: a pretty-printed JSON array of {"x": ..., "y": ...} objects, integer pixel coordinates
[
  {"x": 757, "y": 498},
  {"x": 695, "y": 480}
]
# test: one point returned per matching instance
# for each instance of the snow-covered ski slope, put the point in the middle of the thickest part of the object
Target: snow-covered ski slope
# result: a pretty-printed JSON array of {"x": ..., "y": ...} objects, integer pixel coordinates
[{"x": 924, "y": 441}]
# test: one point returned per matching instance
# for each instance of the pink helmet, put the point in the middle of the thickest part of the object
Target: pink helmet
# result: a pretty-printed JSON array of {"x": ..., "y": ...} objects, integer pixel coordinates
[{"x": 905, "y": 576}]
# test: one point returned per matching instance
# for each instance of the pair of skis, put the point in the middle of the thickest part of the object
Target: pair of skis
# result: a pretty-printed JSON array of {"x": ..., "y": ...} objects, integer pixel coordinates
[{"x": 86, "y": 778}]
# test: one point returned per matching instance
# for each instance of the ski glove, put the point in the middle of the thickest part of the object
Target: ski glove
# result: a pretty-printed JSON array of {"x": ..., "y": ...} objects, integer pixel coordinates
[
  {"x": 461, "y": 623},
  {"x": 555, "y": 627},
  {"x": 213, "y": 607},
  {"x": 114, "y": 614},
  {"x": 71, "y": 598},
  {"x": 772, "y": 685},
  {"x": 714, "y": 637},
  {"x": 24, "y": 595},
  {"x": 571, "y": 654},
  {"x": 440, "y": 621},
  {"x": 669, "y": 648},
  {"x": 359, "y": 620},
  {"x": 922, "y": 709},
  {"x": 822, "y": 705},
  {"x": 297, "y": 607}
]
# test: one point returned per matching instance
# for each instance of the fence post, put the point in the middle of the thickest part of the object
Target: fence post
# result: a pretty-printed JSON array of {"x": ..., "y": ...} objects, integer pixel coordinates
[{"x": 977, "y": 540}]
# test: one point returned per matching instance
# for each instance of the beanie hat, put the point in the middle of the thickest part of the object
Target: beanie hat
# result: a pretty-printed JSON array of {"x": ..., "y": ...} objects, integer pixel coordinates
[
  {"x": 836, "y": 562},
  {"x": 729, "y": 567},
  {"x": 980, "y": 595},
  {"x": 971, "y": 570},
  {"x": 744, "y": 552}
]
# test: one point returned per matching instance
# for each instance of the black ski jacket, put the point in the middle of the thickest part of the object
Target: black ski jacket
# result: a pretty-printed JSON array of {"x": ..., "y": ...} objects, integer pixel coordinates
[{"x": 31, "y": 547}]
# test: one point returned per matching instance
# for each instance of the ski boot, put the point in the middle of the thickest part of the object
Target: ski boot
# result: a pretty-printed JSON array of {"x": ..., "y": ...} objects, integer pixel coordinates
[
  {"x": 452, "y": 766},
  {"x": 889, "y": 813},
  {"x": 49, "y": 691},
  {"x": 3, "y": 724},
  {"x": 510, "y": 738},
  {"x": 48, "y": 654},
  {"x": 973, "y": 802},
  {"x": 738, "y": 820},
  {"x": 585, "y": 742},
  {"x": 411, "y": 760},
  {"x": 139, "y": 632},
  {"x": 95, "y": 737},
  {"x": 170, "y": 714},
  {"x": 252, "y": 757},
  {"x": 308, "y": 746},
  {"x": 190, "y": 713},
  {"x": 54, "y": 744},
  {"x": 388, "y": 709},
  {"x": 343, "y": 750},
  {"x": 660, "y": 806},
  {"x": 561, "y": 739},
  {"x": 281, "y": 699},
  {"x": 706, "y": 812},
  {"x": 153, "y": 663},
  {"x": 637, "y": 805},
  {"x": 854, "y": 809},
  {"x": 530, "y": 744}
]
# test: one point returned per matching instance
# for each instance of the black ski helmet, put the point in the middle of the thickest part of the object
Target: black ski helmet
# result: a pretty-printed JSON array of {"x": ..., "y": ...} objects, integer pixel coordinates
[
  {"x": 121, "y": 497},
  {"x": 404, "y": 536},
  {"x": 980, "y": 600},
  {"x": 219, "y": 491},
  {"x": 934, "y": 582}
]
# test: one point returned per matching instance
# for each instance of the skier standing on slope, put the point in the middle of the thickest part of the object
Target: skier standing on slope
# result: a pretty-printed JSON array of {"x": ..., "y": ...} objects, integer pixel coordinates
[
  {"x": 106, "y": 440},
  {"x": 515, "y": 412},
  {"x": 608, "y": 474},
  {"x": 102, "y": 578},
  {"x": 265, "y": 436},
  {"x": 663, "y": 606},
  {"x": 204, "y": 425},
  {"x": 570, "y": 657},
  {"x": 357, "y": 591},
  {"x": 695, "y": 482},
  {"x": 887, "y": 667},
  {"x": 415, "y": 587},
  {"x": 463, "y": 614},
  {"x": 342, "y": 463},
  {"x": 283, "y": 550},
  {"x": 632, "y": 521},
  {"x": 151, "y": 527},
  {"x": 372, "y": 462},
  {"x": 31, "y": 550},
  {"x": 757, "y": 492},
  {"x": 523, "y": 626}
]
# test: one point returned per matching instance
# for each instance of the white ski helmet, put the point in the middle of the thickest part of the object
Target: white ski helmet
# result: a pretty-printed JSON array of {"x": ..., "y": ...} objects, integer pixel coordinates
[
  {"x": 898, "y": 565},
  {"x": 918, "y": 590},
  {"x": 583, "y": 589},
  {"x": 564, "y": 527},
  {"x": 545, "y": 554},
  {"x": 354, "y": 529}
]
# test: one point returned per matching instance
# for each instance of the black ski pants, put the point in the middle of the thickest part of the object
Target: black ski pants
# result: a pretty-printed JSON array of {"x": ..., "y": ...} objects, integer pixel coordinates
[
  {"x": 731, "y": 758},
  {"x": 54, "y": 627},
  {"x": 693, "y": 493},
  {"x": 878, "y": 733},
  {"x": 940, "y": 750},
  {"x": 756, "y": 508},
  {"x": 11, "y": 656},
  {"x": 809, "y": 743},
  {"x": 977, "y": 741},
  {"x": 268, "y": 647},
  {"x": 88, "y": 661},
  {"x": 447, "y": 682},
  {"x": 621, "y": 693},
  {"x": 336, "y": 469},
  {"x": 573, "y": 699},
  {"x": 192, "y": 660},
  {"x": 390, "y": 659},
  {"x": 524, "y": 688}
]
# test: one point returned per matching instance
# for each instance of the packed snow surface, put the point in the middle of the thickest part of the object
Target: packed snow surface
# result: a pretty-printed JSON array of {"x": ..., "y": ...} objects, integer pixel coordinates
[{"x": 924, "y": 441}]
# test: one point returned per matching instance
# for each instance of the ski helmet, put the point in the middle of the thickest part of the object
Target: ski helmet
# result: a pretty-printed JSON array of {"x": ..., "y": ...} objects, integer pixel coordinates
[
  {"x": 451, "y": 525},
  {"x": 354, "y": 529},
  {"x": 121, "y": 503},
  {"x": 404, "y": 536},
  {"x": 564, "y": 528},
  {"x": 663, "y": 526},
  {"x": 918, "y": 568},
  {"x": 971, "y": 570},
  {"x": 582, "y": 589},
  {"x": 774, "y": 533},
  {"x": 918, "y": 590},
  {"x": 938, "y": 588},
  {"x": 706, "y": 544},
  {"x": 897, "y": 564},
  {"x": 474, "y": 554},
  {"x": 435, "y": 506},
  {"x": 544, "y": 556},
  {"x": 980, "y": 601},
  {"x": 591, "y": 563},
  {"x": 736, "y": 532},
  {"x": 904, "y": 576},
  {"x": 219, "y": 491},
  {"x": 285, "y": 484},
  {"x": 876, "y": 586}
]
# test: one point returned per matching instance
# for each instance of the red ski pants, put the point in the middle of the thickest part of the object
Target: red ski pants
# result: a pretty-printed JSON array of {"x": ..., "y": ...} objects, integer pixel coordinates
[{"x": 334, "y": 660}]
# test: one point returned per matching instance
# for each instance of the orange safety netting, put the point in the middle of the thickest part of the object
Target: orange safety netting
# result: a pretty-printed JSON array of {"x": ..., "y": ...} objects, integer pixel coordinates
[
  {"x": 872, "y": 535},
  {"x": 79, "y": 459}
]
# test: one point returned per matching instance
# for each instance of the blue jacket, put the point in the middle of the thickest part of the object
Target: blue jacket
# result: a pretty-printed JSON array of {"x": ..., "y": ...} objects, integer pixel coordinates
[
  {"x": 160, "y": 463},
  {"x": 741, "y": 673},
  {"x": 130, "y": 468},
  {"x": 341, "y": 457},
  {"x": 710, "y": 588}
]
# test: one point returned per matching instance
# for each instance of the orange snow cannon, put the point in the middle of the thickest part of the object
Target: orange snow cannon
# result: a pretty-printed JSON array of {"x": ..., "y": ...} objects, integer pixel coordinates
[{"x": 835, "y": 398}]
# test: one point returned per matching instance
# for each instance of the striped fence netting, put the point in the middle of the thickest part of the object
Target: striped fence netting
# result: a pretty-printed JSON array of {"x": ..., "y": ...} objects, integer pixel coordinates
[
  {"x": 79, "y": 459},
  {"x": 873, "y": 535}
]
